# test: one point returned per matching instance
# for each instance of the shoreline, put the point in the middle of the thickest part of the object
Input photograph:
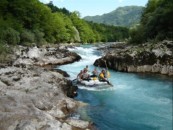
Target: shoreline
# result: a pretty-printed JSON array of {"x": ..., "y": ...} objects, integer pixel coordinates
[
  {"x": 143, "y": 58},
  {"x": 33, "y": 96}
]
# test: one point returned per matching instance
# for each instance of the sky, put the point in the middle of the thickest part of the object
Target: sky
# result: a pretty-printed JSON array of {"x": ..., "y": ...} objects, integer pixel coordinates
[{"x": 94, "y": 7}]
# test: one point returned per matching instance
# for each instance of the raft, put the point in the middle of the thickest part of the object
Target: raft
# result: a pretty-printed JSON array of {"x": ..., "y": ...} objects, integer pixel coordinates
[{"x": 92, "y": 82}]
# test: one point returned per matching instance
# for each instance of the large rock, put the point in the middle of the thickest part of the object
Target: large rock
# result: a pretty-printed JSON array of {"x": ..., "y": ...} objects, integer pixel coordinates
[
  {"x": 78, "y": 123},
  {"x": 33, "y": 98},
  {"x": 44, "y": 56},
  {"x": 36, "y": 98},
  {"x": 154, "y": 58}
]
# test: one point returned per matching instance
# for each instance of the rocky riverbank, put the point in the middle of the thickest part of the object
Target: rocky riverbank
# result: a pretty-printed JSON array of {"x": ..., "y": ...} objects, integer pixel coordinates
[
  {"x": 148, "y": 57},
  {"x": 35, "y": 98}
]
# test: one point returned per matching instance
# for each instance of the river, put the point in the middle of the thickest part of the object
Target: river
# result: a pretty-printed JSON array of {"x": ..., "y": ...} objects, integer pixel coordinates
[{"x": 136, "y": 102}]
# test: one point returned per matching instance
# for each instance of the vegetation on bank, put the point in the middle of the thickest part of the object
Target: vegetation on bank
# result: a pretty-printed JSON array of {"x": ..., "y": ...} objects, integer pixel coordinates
[
  {"x": 24, "y": 22},
  {"x": 156, "y": 22}
]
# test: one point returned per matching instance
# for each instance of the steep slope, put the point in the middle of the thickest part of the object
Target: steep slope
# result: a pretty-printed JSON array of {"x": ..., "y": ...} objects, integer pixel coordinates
[{"x": 122, "y": 16}]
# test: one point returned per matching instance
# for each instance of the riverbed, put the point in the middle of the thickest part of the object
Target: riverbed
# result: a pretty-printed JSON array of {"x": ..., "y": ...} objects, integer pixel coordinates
[{"x": 135, "y": 102}]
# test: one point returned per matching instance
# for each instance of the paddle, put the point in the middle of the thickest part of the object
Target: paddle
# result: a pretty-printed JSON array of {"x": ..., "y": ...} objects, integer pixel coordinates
[
  {"x": 109, "y": 84},
  {"x": 108, "y": 74},
  {"x": 74, "y": 79},
  {"x": 107, "y": 71}
]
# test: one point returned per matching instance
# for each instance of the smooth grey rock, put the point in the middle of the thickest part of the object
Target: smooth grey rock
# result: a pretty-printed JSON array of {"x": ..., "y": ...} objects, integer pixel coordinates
[
  {"x": 34, "y": 98},
  {"x": 78, "y": 123}
]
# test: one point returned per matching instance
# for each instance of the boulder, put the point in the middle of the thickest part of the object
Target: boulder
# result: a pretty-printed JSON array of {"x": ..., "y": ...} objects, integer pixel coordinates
[
  {"x": 78, "y": 123},
  {"x": 33, "y": 97},
  {"x": 150, "y": 58},
  {"x": 44, "y": 56}
]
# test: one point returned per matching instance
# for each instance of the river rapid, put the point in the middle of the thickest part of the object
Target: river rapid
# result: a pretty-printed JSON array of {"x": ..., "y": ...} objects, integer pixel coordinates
[{"x": 136, "y": 102}]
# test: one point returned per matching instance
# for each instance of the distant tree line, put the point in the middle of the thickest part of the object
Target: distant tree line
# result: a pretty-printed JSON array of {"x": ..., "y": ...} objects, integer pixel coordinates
[
  {"x": 24, "y": 22},
  {"x": 156, "y": 22}
]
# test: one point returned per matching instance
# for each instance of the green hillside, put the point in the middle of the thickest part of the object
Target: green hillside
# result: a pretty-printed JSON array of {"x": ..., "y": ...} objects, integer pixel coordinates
[
  {"x": 25, "y": 22},
  {"x": 155, "y": 24},
  {"x": 122, "y": 16}
]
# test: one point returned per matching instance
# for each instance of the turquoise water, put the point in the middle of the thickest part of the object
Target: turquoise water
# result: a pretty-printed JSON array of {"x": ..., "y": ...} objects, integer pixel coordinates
[{"x": 136, "y": 102}]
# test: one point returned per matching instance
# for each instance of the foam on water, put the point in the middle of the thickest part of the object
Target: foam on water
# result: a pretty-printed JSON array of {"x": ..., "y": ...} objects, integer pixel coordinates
[
  {"x": 97, "y": 88},
  {"x": 136, "y": 102},
  {"x": 87, "y": 55}
]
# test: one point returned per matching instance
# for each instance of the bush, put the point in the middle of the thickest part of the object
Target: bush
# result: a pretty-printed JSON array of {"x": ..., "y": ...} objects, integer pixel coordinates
[
  {"x": 10, "y": 36},
  {"x": 5, "y": 50},
  {"x": 27, "y": 37},
  {"x": 136, "y": 35},
  {"x": 39, "y": 37},
  {"x": 2, "y": 47}
]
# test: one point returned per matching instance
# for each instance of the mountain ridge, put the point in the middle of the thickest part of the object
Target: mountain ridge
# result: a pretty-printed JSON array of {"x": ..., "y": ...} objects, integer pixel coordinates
[{"x": 122, "y": 16}]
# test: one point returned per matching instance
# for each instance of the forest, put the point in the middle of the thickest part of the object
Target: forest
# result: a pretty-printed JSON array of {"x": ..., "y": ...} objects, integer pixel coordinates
[
  {"x": 24, "y": 22},
  {"x": 155, "y": 24}
]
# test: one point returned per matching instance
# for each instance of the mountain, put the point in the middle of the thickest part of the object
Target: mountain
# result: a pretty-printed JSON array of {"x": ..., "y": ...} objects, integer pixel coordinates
[{"x": 122, "y": 16}]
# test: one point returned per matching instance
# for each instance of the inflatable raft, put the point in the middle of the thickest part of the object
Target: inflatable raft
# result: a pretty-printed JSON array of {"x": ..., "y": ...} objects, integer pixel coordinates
[{"x": 92, "y": 82}]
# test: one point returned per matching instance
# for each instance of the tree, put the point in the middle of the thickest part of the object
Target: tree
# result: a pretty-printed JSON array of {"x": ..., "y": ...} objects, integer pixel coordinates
[{"x": 156, "y": 21}]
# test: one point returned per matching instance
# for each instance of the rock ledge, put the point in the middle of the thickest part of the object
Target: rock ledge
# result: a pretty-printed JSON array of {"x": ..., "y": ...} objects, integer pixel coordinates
[{"x": 150, "y": 58}]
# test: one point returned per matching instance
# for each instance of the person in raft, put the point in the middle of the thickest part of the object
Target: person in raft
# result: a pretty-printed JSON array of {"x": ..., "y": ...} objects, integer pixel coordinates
[
  {"x": 94, "y": 73},
  {"x": 86, "y": 68},
  {"x": 79, "y": 76},
  {"x": 103, "y": 77},
  {"x": 85, "y": 75}
]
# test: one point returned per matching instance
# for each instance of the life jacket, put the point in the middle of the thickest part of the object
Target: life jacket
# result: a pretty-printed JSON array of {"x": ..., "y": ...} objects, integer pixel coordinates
[
  {"x": 108, "y": 74},
  {"x": 85, "y": 75},
  {"x": 94, "y": 78},
  {"x": 101, "y": 75}
]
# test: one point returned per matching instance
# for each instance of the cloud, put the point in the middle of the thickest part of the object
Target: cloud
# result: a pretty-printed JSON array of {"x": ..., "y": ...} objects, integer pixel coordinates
[
  {"x": 60, "y": 0},
  {"x": 57, "y": 0},
  {"x": 45, "y": 1},
  {"x": 120, "y": 1}
]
